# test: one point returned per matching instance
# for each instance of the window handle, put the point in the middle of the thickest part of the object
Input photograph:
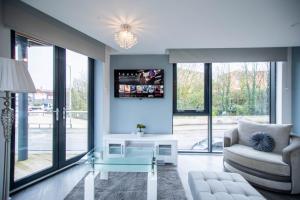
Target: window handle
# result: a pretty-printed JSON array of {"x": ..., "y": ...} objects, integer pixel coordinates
[
  {"x": 64, "y": 113},
  {"x": 56, "y": 114}
]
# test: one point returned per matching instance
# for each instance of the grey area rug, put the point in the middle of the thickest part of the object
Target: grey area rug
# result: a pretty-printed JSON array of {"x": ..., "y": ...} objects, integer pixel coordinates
[{"x": 133, "y": 186}]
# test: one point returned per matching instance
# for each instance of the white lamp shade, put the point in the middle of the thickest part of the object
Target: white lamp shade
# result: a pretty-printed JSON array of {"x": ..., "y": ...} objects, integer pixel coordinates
[{"x": 14, "y": 76}]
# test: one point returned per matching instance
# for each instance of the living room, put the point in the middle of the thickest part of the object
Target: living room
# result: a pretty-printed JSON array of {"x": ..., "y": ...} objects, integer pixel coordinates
[{"x": 150, "y": 99}]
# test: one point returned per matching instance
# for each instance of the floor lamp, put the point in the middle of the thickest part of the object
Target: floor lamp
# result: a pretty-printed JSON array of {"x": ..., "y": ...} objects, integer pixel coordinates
[{"x": 15, "y": 78}]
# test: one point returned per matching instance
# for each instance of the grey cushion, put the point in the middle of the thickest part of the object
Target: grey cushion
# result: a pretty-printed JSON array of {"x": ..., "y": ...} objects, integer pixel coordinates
[
  {"x": 258, "y": 160},
  {"x": 280, "y": 133},
  {"x": 262, "y": 142},
  {"x": 221, "y": 186}
]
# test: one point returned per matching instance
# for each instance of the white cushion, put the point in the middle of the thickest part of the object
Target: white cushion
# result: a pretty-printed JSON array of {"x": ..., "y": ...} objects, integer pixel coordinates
[
  {"x": 262, "y": 161},
  {"x": 221, "y": 186},
  {"x": 279, "y": 132}
]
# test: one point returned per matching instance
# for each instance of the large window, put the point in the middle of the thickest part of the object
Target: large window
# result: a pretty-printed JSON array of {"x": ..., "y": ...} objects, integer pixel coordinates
[
  {"x": 190, "y": 91},
  {"x": 190, "y": 121},
  {"x": 210, "y": 99},
  {"x": 239, "y": 91},
  {"x": 52, "y": 127}
]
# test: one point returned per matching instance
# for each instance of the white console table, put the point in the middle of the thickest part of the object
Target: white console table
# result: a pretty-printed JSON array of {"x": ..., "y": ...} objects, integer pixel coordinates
[{"x": 165, "y": 146}]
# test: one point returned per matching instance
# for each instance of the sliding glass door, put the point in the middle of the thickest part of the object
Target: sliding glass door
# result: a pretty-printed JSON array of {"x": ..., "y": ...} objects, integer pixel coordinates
[
  {"x": 34, "y": 124},
  {"x": 76, "y": 104},
  {"x": 52, "y": 127}
]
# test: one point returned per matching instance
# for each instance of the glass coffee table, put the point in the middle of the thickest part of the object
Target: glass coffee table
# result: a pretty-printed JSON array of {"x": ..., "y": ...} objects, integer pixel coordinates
[{"x": 136, "y": 159}]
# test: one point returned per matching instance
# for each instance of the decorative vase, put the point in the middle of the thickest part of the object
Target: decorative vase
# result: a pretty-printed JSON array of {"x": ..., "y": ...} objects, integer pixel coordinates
[{"x": 140, "y": 133}]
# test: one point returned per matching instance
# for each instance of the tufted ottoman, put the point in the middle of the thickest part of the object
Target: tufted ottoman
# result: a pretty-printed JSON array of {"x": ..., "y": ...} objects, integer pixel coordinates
[{"x": 221, "y": 186}]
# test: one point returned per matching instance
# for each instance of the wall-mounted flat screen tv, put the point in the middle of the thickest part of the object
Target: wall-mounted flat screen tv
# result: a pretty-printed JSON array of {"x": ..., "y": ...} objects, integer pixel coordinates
[{"x": 145, "y": 83}]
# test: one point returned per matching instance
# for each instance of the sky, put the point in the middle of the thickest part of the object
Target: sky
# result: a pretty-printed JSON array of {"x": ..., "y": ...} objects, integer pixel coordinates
[{"x": 40, "y": 66}]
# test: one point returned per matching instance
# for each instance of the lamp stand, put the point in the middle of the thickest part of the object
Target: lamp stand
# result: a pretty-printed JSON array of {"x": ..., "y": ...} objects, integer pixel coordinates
[{"x": 7, "y": 119}]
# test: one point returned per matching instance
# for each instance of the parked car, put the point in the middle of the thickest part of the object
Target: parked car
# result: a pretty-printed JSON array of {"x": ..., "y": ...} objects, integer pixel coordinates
[
  {"x": 35, "y": 108},
  {"x": 217, "y": 144},
  {"x": 47, "y": 107}
]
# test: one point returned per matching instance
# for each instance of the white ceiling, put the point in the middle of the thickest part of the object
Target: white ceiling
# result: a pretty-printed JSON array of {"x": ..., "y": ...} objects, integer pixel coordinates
[{"x": 167, "y": 24}]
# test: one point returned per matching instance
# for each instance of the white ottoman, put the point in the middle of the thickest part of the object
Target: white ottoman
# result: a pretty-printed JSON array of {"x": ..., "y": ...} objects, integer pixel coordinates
[{"x": 206, "y": 185}]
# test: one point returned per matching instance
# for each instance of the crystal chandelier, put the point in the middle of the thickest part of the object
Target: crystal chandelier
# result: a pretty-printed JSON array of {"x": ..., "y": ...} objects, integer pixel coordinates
[{"x": 125, "y": 38}]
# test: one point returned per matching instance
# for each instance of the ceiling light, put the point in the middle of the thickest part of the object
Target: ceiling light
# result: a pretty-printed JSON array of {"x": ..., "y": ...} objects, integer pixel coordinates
[{"x": 125, "y": 38}]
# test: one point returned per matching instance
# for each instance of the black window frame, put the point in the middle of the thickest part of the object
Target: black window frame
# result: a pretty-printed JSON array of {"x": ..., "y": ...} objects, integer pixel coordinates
[
  {"x": 208, "y": 102},
  {"x": 272, "y": 97},
  {"x": 59, "y": 63}
]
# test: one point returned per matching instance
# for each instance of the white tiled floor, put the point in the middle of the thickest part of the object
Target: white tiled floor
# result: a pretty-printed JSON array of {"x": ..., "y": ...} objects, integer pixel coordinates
[
  {"x": 58, "y": 186},
  {"x": 203, "y": 162},
  {"x": 55, "y": 187}
]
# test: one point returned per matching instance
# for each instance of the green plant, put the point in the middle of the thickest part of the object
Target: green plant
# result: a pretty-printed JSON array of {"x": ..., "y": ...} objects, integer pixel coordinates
[{"x": 140, "y": 126}]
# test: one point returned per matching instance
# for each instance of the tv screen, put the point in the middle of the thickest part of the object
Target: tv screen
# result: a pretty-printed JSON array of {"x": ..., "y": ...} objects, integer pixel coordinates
[{"x": 148, "y": 83}]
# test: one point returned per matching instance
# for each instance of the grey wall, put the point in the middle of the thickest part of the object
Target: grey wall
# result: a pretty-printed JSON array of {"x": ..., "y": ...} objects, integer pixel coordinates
[
  {"x": 98, "y": 105},
  {"x": 28, "y": 20},
  {"x": 296, "y": 89},
  {"x": 4, "y": 36},
  {"x": 228, "y": 55},
  {"x": 4, "y": 52},
  {"x": 156, "y": 114}
]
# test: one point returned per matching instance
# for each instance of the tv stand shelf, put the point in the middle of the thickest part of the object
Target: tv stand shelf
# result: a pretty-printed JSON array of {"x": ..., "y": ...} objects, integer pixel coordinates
[{"x": 164, "y": 146}]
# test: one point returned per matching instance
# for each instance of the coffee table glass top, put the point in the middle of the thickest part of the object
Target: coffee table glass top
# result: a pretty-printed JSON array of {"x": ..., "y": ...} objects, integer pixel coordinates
[{"x": 136, "y": 159}]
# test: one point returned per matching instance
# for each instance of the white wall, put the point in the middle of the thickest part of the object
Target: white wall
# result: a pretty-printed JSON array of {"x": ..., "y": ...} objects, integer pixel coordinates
[
  {"x": 4, "y": 52},
  {"x": 284, "y": 91}
]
